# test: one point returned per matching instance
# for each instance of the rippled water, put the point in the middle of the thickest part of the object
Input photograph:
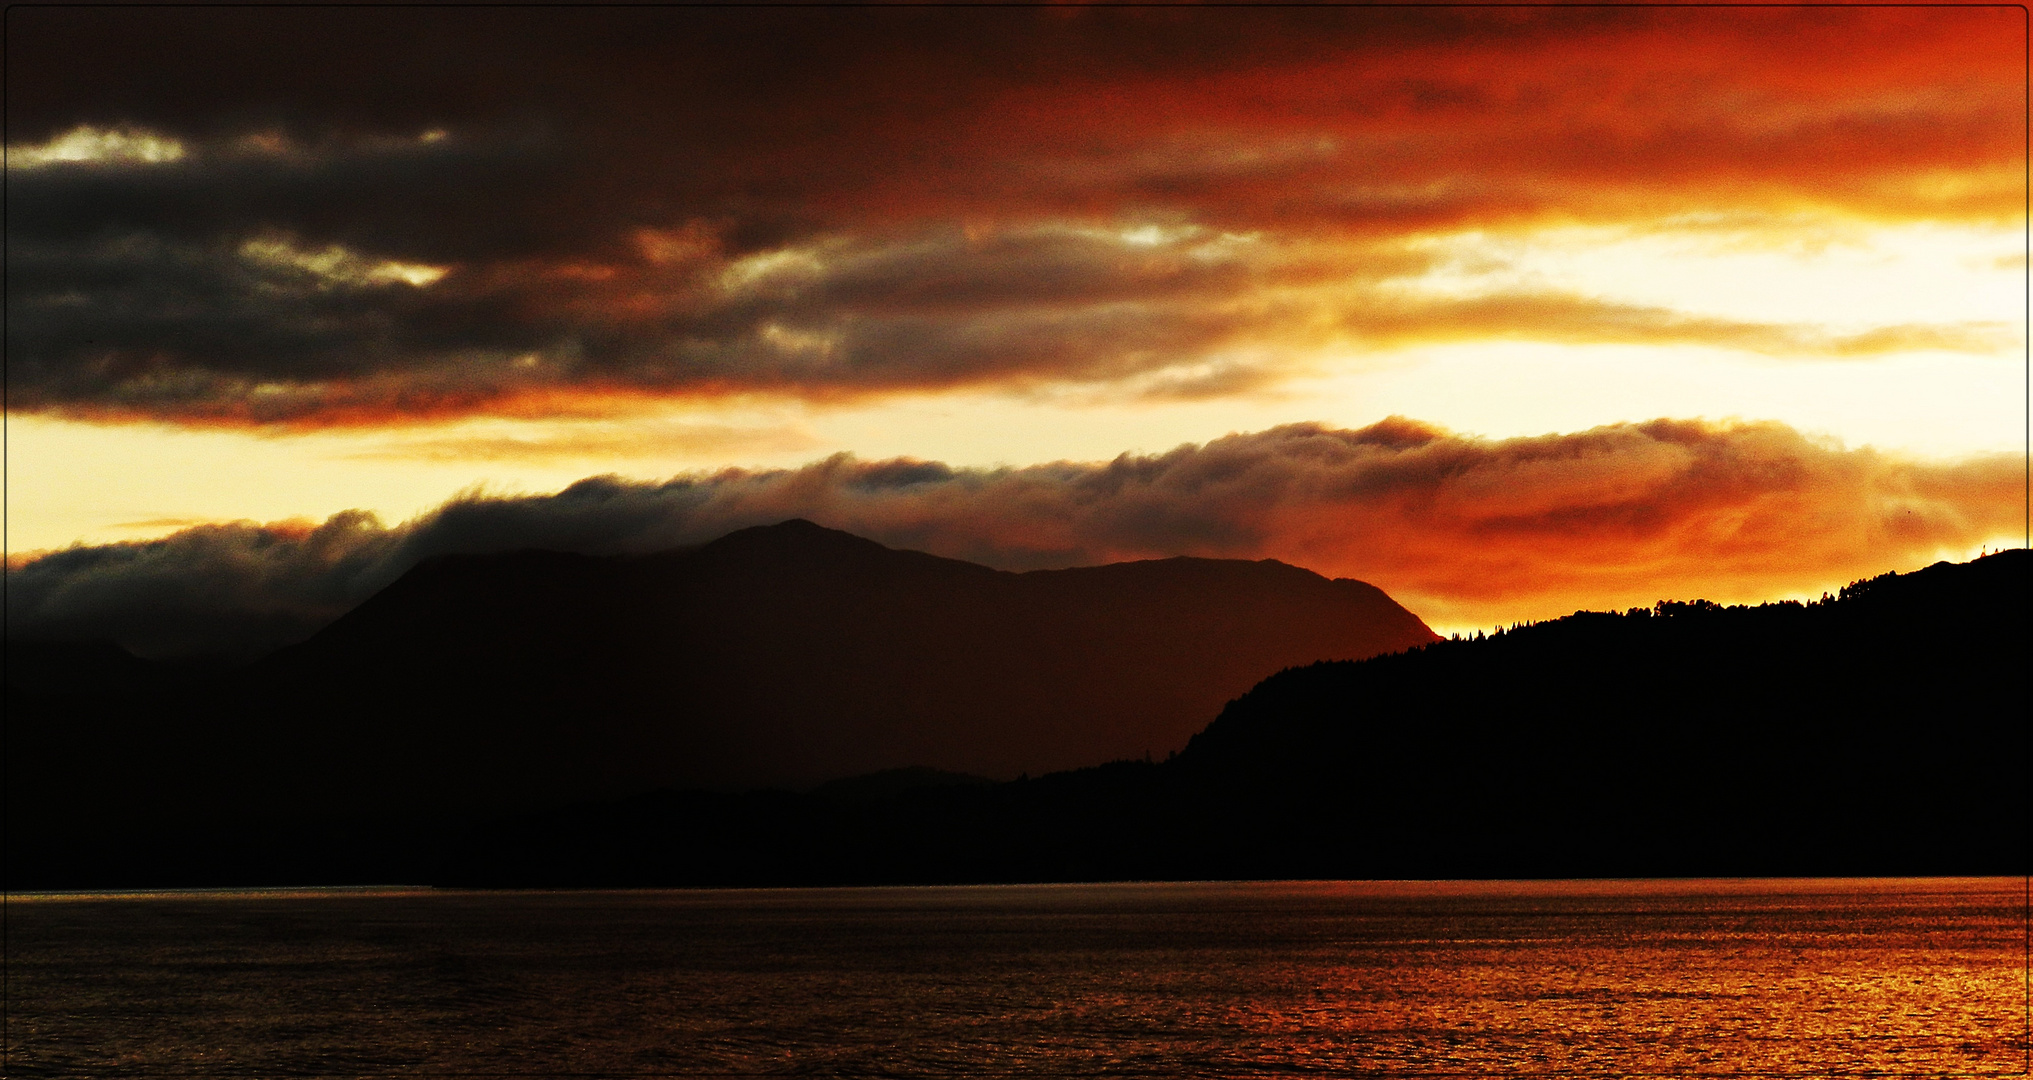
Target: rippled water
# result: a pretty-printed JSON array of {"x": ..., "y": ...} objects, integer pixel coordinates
[{"x": 1767, "y": 977}]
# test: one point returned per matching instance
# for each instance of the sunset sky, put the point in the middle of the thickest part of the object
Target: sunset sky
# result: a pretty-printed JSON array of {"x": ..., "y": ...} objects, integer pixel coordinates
[{"x": 1508, "y": 311}]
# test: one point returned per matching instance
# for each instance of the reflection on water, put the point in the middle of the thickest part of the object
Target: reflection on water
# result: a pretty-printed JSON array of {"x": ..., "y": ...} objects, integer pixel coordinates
[{"x": 1770, "y": 977}]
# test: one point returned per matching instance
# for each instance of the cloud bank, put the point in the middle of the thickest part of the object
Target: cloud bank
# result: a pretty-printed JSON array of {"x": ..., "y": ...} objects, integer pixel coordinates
[
  {"x": 1462, "y": 530},
  {"x": 312, "y": 217}
]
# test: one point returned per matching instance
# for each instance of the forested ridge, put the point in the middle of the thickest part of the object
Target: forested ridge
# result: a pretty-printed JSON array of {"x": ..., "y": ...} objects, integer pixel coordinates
[{"x": 1878, "y": 731}]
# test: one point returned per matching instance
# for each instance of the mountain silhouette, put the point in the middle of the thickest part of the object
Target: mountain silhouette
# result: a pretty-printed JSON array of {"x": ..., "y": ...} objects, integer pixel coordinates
[
  {"x": 781, "y": 656},
  {"x": 535, "y": 719},
  {"x": 1881, "y": 732}
]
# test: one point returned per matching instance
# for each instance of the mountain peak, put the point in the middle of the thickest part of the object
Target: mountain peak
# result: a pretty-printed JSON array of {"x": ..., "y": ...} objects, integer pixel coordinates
[
  {"x": 801, "y": 532},
  {"x": 796, "y": 525}
]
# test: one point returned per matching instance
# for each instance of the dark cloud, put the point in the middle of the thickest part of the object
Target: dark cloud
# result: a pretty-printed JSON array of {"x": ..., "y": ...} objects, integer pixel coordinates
[
  {"x": 951, "y": 196},
  {"x": 1457, "y": 528},
  {"x": 276, "y": 330}
]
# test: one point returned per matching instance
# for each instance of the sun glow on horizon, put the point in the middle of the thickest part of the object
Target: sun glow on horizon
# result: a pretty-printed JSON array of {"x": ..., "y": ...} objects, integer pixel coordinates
[{"x": 1571, "y": 296}]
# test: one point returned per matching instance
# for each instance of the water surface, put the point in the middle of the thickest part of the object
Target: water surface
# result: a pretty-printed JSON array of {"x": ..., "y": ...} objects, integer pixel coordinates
[{"x": 1235, "y": 979}]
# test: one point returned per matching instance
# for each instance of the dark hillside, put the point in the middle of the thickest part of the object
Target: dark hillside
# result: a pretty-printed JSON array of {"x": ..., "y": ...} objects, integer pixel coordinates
[
  {"x": 478, "y": 686},
  {"x": 1882, "y": 732}
]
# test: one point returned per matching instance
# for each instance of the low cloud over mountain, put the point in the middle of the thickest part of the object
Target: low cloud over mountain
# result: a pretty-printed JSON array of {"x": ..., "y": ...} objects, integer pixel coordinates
[{"x": 1460, "y": 529}]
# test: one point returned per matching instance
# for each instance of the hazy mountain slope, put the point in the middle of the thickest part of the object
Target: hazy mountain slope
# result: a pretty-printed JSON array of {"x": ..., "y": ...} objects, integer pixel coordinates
[
  {"x": 1882, "y": 733},
  {"x": 794, "y": 654},
  {"x": 785, "y": 655}
]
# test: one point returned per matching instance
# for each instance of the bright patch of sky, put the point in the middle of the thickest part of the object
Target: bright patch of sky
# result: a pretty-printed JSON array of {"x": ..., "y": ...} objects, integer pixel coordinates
[
  {"x": 1846, "y": 279},
  {"x": 71, "y": 482}
]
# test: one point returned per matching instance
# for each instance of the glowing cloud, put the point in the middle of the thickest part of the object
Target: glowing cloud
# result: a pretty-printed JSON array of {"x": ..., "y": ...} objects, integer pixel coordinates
[
  {"x": 1464, "y": 531},
  {"x": 87, "y": 145},
  {"x": 1183, "y": 203},
  {"x": 334, "y": 266}
]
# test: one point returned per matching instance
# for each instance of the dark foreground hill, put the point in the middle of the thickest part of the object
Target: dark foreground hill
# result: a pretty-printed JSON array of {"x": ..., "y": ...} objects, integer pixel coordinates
[
  {"x": 1882, "y": 732},
  {"x": 478, "y": 686}
]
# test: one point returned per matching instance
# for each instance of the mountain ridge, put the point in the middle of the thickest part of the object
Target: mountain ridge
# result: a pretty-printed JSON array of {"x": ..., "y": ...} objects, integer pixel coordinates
[
  {"x": 1877, "y": 745},
  {"x": 785, "y": 656}
]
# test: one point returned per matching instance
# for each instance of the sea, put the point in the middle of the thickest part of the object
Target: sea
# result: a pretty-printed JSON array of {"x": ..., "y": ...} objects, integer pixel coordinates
[{"x": 1737, "y": 978}]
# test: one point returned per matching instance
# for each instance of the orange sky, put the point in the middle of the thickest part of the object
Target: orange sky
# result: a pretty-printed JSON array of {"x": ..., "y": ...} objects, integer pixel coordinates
[{"x": 1720, "y": 301}]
